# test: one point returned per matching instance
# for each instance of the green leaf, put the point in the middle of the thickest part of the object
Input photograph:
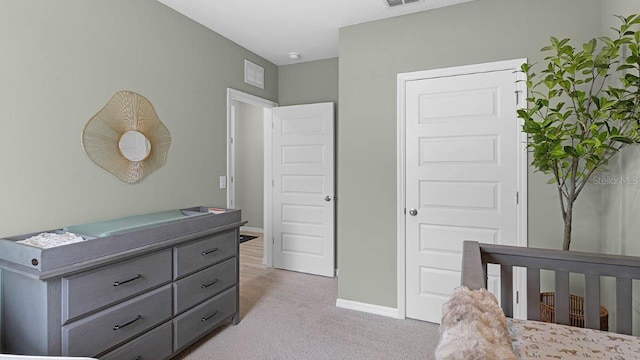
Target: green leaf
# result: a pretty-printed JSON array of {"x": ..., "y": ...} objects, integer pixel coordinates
[
  {"x": 571, "y": 151},
  {"x": 622, "y": 139},
  {"x": 625, "y": 67},
  {"x": 590, "y": 46},
  {"x": 523, "y": 114},
  {"x": 558, "y": 153}
]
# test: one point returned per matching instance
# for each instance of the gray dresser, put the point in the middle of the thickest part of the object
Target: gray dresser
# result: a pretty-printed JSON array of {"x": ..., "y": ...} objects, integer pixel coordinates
[{"x": 145, "y": 287}]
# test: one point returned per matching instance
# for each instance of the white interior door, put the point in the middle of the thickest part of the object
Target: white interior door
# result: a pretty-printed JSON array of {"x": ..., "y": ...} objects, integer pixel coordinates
[
  {"x": 303, "y": 188},
  {"x": 462, "y": 148}
]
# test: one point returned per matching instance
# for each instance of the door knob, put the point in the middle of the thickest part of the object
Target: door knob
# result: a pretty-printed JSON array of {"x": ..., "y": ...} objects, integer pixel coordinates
[
  {"x": 413, "y": 212},
  {"x": 327, "y": 198}
]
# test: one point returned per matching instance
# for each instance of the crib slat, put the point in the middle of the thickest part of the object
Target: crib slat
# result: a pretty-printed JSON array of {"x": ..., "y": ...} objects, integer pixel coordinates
[
  {"x": 592, "y": 302},
  {"x": 533, "y": 294},
  {"x": 623, "y": 306},
  {"x": 485, "y": 275},
  {"x": 562, "y": 298},
  {"x": 471, "y": 262},
  {"x": 506, "y": 289}
]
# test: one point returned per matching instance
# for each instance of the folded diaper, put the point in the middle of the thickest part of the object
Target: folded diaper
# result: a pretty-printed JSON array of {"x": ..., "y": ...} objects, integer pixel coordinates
[{"x": 49, "y": 240}]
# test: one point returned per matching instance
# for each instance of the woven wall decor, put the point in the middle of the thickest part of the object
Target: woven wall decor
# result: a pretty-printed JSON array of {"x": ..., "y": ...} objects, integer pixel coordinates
[{"x": 126, "y": 137}]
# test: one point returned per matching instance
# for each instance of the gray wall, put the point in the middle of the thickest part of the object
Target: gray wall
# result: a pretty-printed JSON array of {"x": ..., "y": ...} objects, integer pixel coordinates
[
  {"x": 620, "y": 200},
  {"x": 371, "y": 55},
  {"x": 61, "y": 62},
  {"x": 620, "y": 210},
  {"x": 308, "y": 82},
  {"x": 249, "y": 178}
]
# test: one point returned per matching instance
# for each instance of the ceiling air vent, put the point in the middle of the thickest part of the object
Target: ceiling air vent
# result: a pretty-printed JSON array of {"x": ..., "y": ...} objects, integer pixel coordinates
[{"x": 394, "y": 3}]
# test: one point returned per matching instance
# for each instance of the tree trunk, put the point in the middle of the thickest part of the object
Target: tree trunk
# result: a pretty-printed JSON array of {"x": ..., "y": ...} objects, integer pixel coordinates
[{"x": 566, "y": 242}]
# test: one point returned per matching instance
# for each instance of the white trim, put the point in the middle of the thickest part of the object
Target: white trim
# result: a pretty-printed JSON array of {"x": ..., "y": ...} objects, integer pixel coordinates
[
  {"x": 368, "y": 308},
  {"x": 462, "y": 70},
  {"x": 234, "y": 112},
  {"x": 250, "y": 99},
  {"x": 267, "y": 222},
  {"x": 402, "y": 79},
  {"x": 401, "y": 199},
  {"x": 520, "y": 310},
  {"x": 267, "y": 105}
]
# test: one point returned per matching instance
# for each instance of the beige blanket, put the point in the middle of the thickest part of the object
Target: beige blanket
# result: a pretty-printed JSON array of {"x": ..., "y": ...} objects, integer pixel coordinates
[{"x": 473, "y": 327}]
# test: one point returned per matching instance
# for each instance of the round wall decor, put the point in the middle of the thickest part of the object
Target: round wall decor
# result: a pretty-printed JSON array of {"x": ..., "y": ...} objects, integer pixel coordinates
[{"x": 126, "y": 137}]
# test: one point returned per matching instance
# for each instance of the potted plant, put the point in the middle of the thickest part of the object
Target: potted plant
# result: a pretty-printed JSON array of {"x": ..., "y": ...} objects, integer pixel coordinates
[{"x": 584, "y": 108}]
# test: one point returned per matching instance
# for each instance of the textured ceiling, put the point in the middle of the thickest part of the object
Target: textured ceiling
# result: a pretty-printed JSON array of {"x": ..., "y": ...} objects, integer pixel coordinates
[{"x": 274, "y": 28}]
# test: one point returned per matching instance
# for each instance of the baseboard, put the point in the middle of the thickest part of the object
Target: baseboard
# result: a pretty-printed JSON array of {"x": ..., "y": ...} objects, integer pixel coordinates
[
  {"x": 252, "y": 229},
  {"x": 368, "y": 308}
]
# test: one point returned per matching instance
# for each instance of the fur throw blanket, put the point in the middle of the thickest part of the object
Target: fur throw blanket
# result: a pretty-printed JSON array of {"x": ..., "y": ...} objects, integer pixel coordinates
[{"x": 473, "y": 327}]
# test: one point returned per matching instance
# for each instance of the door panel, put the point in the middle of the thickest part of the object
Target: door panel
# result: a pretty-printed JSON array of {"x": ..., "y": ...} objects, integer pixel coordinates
[
  {"x": 461, "y": 166},
  {"x": 303, "y": 188}
]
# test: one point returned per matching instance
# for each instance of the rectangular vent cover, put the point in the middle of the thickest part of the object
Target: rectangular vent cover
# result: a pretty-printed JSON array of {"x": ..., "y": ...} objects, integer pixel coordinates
[
  {"x": 393, "y": 3},
  {"x": 253, "y": 74}
]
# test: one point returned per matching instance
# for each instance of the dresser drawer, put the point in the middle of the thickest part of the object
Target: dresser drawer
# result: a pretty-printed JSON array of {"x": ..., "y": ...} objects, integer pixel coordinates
[
  {"x": 98, "y": 288},
  {"x": 204, "y": 284},
  {"x": 154, "y": 345},
  {"x": 201, "y": 253},
  {"x": 196, "y": 322},
  {"x": 99, "y": 332}
]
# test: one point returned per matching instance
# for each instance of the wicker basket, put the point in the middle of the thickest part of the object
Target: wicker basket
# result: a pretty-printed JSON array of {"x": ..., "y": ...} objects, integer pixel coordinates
[{"x": 576, "y": 310}]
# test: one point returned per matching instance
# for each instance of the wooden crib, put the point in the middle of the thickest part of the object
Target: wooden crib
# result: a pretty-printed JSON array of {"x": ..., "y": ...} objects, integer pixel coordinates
[{"x": 561, "y": 341}]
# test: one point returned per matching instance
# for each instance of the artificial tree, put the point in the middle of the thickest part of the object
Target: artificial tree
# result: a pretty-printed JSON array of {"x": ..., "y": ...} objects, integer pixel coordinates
[{"x": 583, "y": 109}]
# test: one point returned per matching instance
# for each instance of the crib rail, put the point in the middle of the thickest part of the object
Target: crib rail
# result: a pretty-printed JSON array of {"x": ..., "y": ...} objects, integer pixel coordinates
[{"x": 623, "y": 268}]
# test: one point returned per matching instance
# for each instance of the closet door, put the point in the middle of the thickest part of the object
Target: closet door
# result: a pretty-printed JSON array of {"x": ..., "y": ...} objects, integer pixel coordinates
[{"x": 462, "y": 148}]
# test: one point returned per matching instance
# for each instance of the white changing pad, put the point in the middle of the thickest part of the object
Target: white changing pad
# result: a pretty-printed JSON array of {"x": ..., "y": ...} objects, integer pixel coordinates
[{"x": 540, "y": 340}]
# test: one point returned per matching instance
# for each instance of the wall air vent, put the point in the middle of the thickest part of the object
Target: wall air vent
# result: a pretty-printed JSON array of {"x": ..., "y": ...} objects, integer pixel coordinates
[
  {"x": 394, "y": 3},
  {"x": 253, "y": 74}
]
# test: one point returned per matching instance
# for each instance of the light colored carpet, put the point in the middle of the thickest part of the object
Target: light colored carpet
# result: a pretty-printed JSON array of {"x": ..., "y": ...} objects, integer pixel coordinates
[{"x": 289, "y": 315}]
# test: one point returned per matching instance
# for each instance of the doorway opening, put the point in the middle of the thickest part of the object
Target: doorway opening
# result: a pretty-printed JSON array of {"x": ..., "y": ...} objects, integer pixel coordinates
[
  {"x": 297, "y": 209},
  {"x": 249, "y": 164}
]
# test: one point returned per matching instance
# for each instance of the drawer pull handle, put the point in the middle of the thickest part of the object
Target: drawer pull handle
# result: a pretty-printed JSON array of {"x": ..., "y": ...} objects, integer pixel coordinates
[
  {"x": 209, "y": 317},
  {"x": 118, "y": 283},
  {"x": 118, "y": 327},
  {"x": 138, "y": 357},
  {"x": 205, "y": 253},
  {"x": 209, "y": 284}
]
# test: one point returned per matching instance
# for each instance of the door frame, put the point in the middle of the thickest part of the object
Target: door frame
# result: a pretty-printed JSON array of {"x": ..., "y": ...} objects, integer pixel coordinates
[
  {"x": 402, "y": 79},
  {"x": 267, "y": 105}
]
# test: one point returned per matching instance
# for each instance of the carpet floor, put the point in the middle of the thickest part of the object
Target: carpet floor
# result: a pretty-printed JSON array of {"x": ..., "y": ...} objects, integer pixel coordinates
[{"x": 288, "y": 315}]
